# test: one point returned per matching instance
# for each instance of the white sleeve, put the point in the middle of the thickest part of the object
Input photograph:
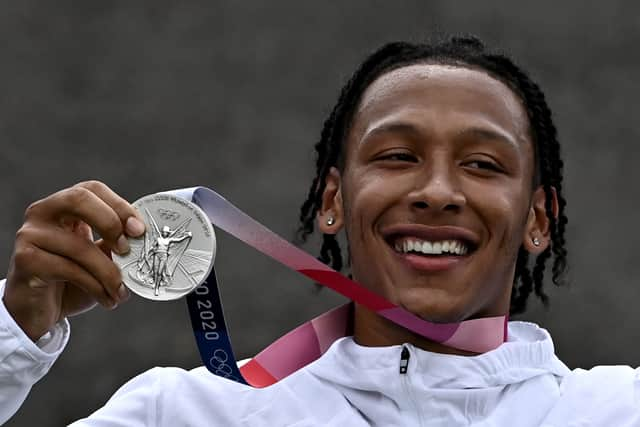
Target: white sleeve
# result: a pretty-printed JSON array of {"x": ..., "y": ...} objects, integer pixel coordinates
[
  {"x": 133, "y": 405},
  {"x": 23, "y": 362}
]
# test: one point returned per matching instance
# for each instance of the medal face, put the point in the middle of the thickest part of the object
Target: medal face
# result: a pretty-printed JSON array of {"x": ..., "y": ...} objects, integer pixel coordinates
[{"x": 176, "y": 253}]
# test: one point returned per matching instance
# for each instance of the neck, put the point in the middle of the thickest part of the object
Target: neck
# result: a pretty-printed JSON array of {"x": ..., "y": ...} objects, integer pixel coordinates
[{"x": 372, "y": 330}]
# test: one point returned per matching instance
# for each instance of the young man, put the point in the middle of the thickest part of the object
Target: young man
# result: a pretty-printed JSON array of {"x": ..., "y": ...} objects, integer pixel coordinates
[{"x": 441, "y": 164}]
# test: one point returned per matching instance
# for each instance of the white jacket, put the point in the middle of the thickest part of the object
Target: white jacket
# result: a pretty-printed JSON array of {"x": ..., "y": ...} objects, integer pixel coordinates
[{"x": 521, "y": 383}]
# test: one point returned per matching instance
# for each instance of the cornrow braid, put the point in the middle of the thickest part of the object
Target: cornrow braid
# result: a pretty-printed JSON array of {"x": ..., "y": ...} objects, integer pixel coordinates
[{"x": 465, "y": 51}]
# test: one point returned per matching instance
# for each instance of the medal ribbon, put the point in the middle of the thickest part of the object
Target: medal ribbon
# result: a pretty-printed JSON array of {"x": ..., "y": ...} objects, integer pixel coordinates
[{"x": 309, "y": 341}]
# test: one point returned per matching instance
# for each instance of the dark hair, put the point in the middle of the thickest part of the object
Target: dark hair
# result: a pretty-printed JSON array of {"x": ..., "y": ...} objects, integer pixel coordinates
[{"x": 466, "y": 51}]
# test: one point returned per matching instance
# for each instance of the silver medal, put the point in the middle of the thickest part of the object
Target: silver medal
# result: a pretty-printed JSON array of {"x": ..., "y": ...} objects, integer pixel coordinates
[{"x": 175, "y": 254}]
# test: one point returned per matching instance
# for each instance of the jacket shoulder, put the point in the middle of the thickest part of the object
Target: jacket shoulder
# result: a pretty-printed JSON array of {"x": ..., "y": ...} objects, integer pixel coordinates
[
  {"x": 169, "y": 397},
  {"x": 603, "y": 395}
]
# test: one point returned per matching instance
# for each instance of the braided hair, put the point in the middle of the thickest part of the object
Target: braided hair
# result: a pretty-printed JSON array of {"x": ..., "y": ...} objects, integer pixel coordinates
[{"x": 465, "y": 51}]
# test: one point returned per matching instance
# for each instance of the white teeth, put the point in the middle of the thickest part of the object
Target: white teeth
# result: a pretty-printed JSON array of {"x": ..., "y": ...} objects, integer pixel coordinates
[
  {"x": 431, "y": 248},
  {"x": 427, "y": 248}
]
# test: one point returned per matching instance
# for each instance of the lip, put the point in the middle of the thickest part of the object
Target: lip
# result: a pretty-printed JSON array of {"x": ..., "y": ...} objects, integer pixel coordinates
[
  {"x": 431, "y": 263},
  {"x": 428, "y": 263}
]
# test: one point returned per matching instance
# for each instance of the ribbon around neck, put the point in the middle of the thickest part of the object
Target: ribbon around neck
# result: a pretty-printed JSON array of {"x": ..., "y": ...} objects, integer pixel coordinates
[{"x": 309, "y": 341}]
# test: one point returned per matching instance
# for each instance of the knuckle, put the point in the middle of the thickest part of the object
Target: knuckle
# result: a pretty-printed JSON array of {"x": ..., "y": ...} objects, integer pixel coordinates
[
  {"x": 77, "y": 195},
  {"x": 32, "y": 210},
  {"x": 92, "y": 185},
  {"x": 24, "y": 256},
  {"x": 24, "y": 234}
]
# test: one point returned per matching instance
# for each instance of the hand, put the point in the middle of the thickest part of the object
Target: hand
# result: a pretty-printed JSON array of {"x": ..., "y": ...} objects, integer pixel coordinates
[{"x": 57, "y": 269}]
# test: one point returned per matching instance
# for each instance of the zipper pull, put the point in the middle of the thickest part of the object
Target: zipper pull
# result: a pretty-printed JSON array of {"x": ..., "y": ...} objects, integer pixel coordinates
[{"x": 404, "y": 360}]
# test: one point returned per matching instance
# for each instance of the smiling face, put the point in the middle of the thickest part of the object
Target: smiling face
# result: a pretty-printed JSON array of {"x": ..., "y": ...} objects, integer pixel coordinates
[{"x": 436, "y": 194}]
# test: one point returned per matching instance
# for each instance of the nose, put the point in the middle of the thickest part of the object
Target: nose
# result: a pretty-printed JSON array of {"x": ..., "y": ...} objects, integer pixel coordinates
[{"x": 437, "y": 189}]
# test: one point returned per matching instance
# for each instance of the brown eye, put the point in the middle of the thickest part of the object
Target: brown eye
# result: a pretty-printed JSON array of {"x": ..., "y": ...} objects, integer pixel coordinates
[
  {"x": 399, "y": 157},
  {"x": 484, "y": 165}
]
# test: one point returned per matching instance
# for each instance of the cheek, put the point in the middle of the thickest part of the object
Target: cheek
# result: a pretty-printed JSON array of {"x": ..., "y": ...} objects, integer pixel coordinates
[
  {"x": 365, "y": 197},
  {"x": 368, "y": 196},
  {"x": 503, "y": 209}
]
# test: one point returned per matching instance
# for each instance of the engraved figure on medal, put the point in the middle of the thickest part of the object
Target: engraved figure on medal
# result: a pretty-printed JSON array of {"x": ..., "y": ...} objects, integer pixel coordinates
[
  {"x": 162, "y": 253},
  {"x": 174, "y": 255}
]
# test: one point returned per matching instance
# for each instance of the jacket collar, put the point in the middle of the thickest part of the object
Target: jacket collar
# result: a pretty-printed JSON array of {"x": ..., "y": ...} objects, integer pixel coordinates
[{"x": 528, "y": 352}]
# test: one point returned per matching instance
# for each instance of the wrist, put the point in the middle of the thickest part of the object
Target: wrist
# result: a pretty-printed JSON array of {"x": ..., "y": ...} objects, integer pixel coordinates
[{"x": 33, "y": 320}]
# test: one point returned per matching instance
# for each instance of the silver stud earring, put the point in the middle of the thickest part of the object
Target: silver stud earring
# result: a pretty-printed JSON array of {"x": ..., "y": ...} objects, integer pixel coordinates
[
  {"x": 331, "y": 221},
  {"x": 536, "y": 242}
]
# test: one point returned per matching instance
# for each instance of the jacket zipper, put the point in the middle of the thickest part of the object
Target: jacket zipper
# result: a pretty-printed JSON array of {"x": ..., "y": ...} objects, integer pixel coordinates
[
  {"x": 405, "y": 355},
  {"x": 404, "y": 360}
]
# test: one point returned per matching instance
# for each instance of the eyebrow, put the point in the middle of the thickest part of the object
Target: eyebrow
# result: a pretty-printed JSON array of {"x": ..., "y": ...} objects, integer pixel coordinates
[
  {"x": 394, "y": 127},
  {"x": 412, "y": 130},
  {"x": 490, "y": 134}
]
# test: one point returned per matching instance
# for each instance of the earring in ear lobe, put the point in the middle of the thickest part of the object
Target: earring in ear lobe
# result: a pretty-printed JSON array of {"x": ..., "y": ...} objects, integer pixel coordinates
[
  {"x": 330, "y": 221},
  {"x": 536, "y": 242}
]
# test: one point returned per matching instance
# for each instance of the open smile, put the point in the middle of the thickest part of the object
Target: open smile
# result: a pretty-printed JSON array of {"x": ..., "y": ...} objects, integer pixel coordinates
[
  {"x": 441, "y": 247},
  {"x": 428, "y": 248}
]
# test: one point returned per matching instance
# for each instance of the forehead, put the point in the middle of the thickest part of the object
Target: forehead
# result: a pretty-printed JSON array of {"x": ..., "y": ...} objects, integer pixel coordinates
[{"x": 436, "y": 90}]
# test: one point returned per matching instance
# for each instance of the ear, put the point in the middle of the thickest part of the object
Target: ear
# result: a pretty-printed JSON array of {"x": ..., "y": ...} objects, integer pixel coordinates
[
  {"x": 331, "y": 204},
  {"x": 537, "y": 226}
]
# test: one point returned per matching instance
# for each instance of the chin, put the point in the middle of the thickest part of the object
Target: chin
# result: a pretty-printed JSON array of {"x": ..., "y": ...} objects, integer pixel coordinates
[{"x": 435, "y": 307}]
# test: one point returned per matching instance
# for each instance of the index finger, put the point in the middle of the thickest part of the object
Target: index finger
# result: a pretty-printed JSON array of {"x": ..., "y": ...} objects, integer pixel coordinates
[{"x": 131, "y": 219}]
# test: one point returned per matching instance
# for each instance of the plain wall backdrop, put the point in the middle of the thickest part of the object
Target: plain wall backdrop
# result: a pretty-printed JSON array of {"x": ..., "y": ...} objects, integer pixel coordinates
[{"x": 155, "y": 95}]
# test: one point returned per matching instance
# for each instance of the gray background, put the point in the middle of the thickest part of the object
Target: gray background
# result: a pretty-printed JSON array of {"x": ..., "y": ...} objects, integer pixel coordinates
[{"x": 154, "y": 95}]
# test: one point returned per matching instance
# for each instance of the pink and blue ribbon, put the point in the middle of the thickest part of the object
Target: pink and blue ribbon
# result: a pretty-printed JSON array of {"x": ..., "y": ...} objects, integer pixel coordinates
[{"x": 309, "y": 341}]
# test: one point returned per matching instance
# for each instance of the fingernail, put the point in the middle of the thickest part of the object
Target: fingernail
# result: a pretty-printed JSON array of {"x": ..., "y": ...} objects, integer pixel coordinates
[
  {"x": 122, "y": 245},
  {"x": 134, "y": 226},
  {"x": 123, "y": 292}
]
